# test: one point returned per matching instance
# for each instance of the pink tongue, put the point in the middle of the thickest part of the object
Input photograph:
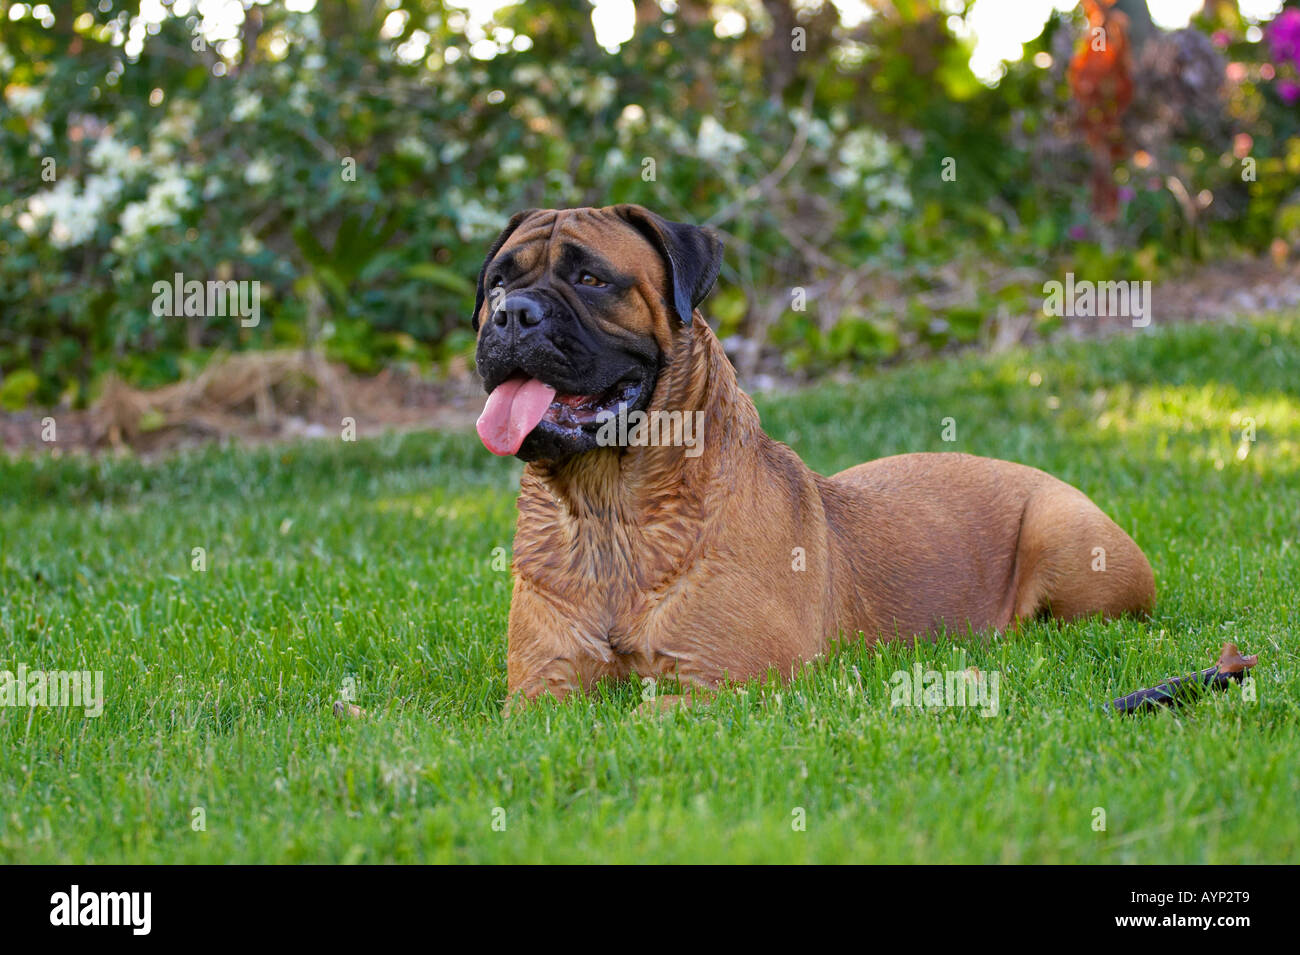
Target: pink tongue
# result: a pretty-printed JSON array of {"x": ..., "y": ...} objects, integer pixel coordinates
[{"x": 512, "y": 411}]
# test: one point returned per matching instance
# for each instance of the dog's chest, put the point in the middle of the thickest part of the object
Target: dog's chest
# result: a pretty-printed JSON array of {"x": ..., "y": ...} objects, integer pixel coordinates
[{"x": 628, "y": 589}]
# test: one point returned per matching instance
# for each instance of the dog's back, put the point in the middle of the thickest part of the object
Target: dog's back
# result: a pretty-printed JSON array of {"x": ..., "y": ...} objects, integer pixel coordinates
[{"x": 927, "y": 541}]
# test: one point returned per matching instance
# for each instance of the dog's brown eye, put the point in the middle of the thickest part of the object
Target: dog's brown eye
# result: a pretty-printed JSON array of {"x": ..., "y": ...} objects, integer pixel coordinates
[{"x": 590, "y": 280}]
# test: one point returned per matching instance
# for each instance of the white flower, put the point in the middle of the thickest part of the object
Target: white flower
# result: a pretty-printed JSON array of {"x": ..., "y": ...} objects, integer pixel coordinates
[
  {"x": 134, "y": 221},
  {"x": 171, "y": 190},
  {"x": 413, "y": 147},
  {"x": 41, "y": 136},
  {"x": 298, "y": 100},
  {"x": 615, "y": 160},
  {"x": 714, "y": 142},
  {"x": 845, "y": 177},
  {"x": 259, "y": 171},
  {"x": 475, "y": 221},
  {"x": 512, "y": 166},
  {"x": 871, "y": 163},
  {"x": 72, "y": 216},
  {"x": 819, "y": 131},
  {"x": 665, "y": 128},
  {"x": 109, "y": 153},
  {"x": 453, "y": 151},
  {"x": 865, "y": 150},
  {"x": 176, "y": 128},
  {"x": 161, "y": 206},
  {"x": 247, "y": 105},
  {"x": 116, "y": 157},
  {"x": 596, "y": 95},
  {"x": 212, "y": 188},
  {"x": 102, "y": 190},
  {"x": 179, "y": 122},
  {"x": 895, "y": 195},
  {"x": 632, "y": 118},
  {"x": 24, "y": 100}
]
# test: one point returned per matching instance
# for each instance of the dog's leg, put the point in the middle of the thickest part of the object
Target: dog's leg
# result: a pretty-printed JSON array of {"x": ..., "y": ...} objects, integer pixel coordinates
[
  {"x": 1073, "y": 561},
  {"x": 550, "y": 652},
  {"x": 557, "y": 677}
]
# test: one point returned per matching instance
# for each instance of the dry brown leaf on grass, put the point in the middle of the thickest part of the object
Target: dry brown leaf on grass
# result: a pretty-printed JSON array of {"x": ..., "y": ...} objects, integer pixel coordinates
[{"x": 1231, "y": 660}]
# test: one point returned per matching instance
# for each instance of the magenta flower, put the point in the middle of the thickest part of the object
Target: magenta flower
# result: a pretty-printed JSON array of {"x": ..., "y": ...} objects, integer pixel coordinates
[{"x": 1284, "y": 37}]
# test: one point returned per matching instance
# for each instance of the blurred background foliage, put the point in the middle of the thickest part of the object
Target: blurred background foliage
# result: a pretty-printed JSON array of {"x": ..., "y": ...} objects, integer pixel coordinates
[{"x": 356, "y": 156}]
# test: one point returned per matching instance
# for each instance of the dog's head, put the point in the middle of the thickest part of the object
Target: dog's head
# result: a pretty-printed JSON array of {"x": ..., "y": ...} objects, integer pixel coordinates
[{"x": 577, "y": 313}]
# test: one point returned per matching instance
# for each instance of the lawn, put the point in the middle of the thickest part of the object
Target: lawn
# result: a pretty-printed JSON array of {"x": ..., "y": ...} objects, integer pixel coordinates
[{"x": 371, "y": 564}]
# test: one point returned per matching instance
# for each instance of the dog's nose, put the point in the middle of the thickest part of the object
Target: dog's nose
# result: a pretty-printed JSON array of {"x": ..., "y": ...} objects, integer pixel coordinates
[{"x": 517, "y": 314}]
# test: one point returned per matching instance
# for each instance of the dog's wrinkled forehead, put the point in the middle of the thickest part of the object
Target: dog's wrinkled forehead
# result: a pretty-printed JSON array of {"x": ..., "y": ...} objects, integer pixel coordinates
[
  {"x": 561, "y": 245},
  {"x": 566, "y": 237},
  {"x": 656, "y": 271}
]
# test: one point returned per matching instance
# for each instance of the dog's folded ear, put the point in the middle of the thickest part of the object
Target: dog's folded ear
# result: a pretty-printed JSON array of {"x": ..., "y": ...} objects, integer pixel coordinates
[
  {"x": 692, "y": 254},
  {"x": 480, "y": 292}
]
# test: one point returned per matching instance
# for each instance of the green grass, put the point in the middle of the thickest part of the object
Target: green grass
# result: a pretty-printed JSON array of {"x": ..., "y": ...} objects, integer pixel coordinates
[{"x": 375, "y": 560}]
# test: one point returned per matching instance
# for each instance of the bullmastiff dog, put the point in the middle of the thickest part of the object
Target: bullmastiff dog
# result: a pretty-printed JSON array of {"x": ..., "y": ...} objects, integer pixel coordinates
[{"x": 696, "y": 547}]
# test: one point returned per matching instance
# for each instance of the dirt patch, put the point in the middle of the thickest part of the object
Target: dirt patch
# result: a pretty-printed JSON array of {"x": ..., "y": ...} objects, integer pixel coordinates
[{"x": 253, "y": 397}]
